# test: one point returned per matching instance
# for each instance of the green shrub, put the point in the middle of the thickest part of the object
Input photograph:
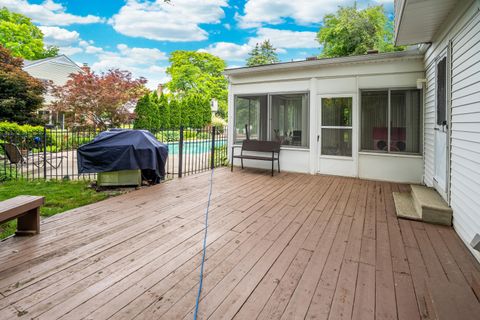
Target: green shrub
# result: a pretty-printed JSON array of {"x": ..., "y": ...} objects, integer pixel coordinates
[
  {"x": 218, "y": 122},
  {"x": 204, "y": 135},
  {"x": 221, "y": 157},
  {"x": 8, "y": 173},
  {"x": 189, "y": 134},
  {"x": 24, "y": 136},
  {"x": 168, "y": 136}
]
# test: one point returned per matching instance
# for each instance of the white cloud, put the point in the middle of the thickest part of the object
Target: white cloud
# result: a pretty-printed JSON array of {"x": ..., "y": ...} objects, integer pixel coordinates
[
  {"x": 285, "y": 39},
  {"x": 70, "y": 50},
  {"x": 92, "y": 49},
  {"x": 176, "y": 21},
  {"x": 142, "y": 62},
  {"x": 59, "y": 36},
  {"x": 261, "y": 12},
  {"x": 48, "y": 13},
  {"x": 228, "y": 50},
  {"x": 280, "y": 39}
]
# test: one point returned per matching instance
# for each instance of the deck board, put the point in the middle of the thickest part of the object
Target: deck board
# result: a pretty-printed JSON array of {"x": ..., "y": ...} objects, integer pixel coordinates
[{"x": 291, "y": 246}]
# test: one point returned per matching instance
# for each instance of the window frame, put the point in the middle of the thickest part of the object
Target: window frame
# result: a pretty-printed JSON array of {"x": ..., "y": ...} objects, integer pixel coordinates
[
  {"x": 440, "y": 58},
  {"x": 389, "y": 114},
  {"x": 269, "y": 114},
  {"x": 262, "y": 95},
  {"x": 321, "y": 126}
]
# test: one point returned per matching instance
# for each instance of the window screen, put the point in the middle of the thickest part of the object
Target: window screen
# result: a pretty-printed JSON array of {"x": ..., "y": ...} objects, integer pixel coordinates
[
  {"x": 337, "y": 126},
  {"x": 391, "y": 121}
]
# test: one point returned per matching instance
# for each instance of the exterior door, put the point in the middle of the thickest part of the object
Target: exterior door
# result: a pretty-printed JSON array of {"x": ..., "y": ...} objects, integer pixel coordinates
[
  {"x": 336, "y": 136},
  {"x": 441, "y": 128}
]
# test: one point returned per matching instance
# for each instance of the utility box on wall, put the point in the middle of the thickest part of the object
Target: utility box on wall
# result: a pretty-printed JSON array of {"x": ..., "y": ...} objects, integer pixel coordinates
[{"x": 120, "y": 178}]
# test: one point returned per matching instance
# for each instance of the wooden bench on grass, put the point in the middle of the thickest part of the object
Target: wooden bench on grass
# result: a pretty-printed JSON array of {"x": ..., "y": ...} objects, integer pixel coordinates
[
  {"x": 26, "y": 209},
  {"x": 258, "y": 146}
]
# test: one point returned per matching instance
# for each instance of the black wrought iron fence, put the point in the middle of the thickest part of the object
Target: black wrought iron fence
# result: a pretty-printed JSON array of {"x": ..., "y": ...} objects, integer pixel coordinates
[{"x": 51, "y": 153}]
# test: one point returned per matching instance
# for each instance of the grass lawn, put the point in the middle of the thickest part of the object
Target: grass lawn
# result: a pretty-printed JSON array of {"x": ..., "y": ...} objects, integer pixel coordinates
[{"x": 59, "y": 196}]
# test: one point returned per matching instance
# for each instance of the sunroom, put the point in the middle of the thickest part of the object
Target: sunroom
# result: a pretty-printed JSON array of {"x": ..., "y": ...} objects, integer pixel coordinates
[{"x": 358, "y": 116}]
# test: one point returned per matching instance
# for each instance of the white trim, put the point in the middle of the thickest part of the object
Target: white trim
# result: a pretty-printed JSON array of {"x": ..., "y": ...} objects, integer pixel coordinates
[
  {"x": 52, "y": 60},
  {"x": 354, "y": 157},
  {"x": 373, "y": 58},
  {"x": 444, "y": 191},
  {"x": 394, "y": 155}
]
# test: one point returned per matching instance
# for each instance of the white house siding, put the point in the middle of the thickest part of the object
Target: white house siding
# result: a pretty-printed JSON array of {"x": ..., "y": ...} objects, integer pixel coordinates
[
  {"x": 337, "y": 80},
  {"x": 465, "y": 134},
  {"x": 56, "y": 70},
  {"x": 462, "y": 31}
]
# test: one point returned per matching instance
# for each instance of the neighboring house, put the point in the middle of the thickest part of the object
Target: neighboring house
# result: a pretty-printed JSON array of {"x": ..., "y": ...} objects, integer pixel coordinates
[
  {"x": 411, "y": 116},
  {"x": 57, "y": 70}
]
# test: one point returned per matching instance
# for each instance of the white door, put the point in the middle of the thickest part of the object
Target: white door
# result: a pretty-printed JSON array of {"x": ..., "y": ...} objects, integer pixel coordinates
[
  {"x": 441, "y": 128},
  {"x": 336, "y": 136}
]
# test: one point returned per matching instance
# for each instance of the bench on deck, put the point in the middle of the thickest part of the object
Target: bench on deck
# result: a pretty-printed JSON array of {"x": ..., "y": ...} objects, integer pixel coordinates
[
  {"x": 26, "y": 209},
  {"x": 258, "y": 146}
]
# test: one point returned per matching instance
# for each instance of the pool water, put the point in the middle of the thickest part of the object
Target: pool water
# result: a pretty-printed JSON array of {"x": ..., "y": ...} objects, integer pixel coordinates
[{"x": 194, "y": 147}]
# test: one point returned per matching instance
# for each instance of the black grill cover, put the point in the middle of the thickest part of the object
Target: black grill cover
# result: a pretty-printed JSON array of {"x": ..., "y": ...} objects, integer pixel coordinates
[{"x": 120, "y": 149}]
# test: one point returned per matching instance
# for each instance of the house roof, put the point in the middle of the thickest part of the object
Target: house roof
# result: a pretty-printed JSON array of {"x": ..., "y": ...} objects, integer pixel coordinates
[
  {"x": 61, "y": 59},
  {"x": 307, "y": 64},
  {"x": 56, "y": 69}
]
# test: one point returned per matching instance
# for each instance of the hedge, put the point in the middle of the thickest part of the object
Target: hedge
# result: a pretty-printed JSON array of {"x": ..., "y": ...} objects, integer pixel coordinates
[{"x": 155, "y": 112}]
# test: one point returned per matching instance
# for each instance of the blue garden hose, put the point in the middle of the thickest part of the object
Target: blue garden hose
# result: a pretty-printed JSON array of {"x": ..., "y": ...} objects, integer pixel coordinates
[{"x": 204, "y": 248}]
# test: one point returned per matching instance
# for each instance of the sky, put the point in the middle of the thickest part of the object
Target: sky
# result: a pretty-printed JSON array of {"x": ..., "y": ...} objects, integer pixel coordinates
[{"x": 138, "y": 35}]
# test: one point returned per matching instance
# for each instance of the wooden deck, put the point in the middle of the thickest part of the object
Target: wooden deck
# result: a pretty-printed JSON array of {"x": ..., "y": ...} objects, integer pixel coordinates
[{"x": 289, "y": 247}]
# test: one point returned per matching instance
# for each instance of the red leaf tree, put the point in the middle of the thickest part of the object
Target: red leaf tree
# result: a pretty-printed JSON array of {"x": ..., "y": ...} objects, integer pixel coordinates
[
  {"x": 99, "y": 100},
  {"x": 20, "y": 94}
]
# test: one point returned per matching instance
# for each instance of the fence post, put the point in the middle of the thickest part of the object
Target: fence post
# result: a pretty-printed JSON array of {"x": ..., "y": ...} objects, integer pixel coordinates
[
  {"x": 180, "y": 153},
  {"x": 212, "y": 165},
  {"x": 45, "y": 152}
]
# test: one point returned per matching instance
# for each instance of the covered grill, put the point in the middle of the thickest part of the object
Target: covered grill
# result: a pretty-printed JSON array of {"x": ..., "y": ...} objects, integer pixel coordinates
[{"x": 119, "y": 149}]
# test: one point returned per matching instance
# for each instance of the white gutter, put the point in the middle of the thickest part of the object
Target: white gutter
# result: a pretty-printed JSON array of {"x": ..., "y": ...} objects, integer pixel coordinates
[{"x": 306, "y": 64}]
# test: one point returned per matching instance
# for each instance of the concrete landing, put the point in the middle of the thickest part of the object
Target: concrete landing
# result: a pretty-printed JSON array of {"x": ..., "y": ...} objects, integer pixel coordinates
[
  {"x": 404, "y": 206},
  {"x": 423, "y": 204}
]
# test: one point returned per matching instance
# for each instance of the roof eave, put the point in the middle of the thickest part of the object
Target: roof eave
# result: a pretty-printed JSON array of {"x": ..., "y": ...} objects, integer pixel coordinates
[{"x": 410, "y": 54}]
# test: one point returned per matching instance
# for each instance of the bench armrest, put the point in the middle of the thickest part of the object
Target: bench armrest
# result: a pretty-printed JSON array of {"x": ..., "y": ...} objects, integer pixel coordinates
[{"x": 235, "y": 147}]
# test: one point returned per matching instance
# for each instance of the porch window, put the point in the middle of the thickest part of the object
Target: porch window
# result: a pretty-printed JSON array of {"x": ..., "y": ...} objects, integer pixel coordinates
[
  {"x": 251, "y": 115},
  {"x": 391, "y": 120},
  {"x": 275, "y": 117},
  {"x": 337, "y": 126},
  {"x": 289, "y": 119}
]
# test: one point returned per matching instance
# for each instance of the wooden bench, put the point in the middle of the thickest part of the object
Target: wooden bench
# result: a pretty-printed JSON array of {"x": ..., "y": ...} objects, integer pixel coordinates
[
  {"x": 26, "y": 209},
  {"x": 258, "y": 146}
]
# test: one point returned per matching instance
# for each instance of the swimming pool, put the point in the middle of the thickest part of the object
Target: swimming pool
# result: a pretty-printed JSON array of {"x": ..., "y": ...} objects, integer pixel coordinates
[{"x": 194, "y": 147}]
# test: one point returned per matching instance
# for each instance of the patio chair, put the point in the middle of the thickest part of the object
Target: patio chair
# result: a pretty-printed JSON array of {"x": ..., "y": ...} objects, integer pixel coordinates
[{"x": 15, "y": 157}]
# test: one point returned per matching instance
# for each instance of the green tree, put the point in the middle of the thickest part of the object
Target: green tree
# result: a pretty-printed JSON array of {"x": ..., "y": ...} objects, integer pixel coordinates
[
  {"x": 263, "y": 53},
  {"x": 22, "y": 37},
  {"x": 163, "y": 111},
  {"x": 175, "y": 113},
  {"x": 147, "y": 113},
  {"x": 20, "y": 94},
  {"x": 195, "y": 72},
  {"x": 351, "y": 31}
]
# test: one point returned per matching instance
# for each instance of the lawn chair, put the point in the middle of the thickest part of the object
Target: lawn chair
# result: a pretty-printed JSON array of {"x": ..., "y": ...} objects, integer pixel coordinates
[{"x": 15, "y": 157}]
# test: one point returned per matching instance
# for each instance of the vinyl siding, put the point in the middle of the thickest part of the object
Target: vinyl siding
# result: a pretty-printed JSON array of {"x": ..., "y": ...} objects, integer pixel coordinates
[
  {"x": 465, "y": 130},
  {"x": 462, "y": 29},
  {"x": 58, "y": 73}
]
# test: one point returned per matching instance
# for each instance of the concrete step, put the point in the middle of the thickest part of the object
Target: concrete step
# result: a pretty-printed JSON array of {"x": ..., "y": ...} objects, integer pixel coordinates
[
  {"x": 430, "y": 206},
  {"x": 404, "y": 206}
]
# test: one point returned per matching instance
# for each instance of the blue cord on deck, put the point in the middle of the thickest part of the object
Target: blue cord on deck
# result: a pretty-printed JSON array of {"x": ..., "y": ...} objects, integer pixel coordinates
[{"x": 204, "y": 248}]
